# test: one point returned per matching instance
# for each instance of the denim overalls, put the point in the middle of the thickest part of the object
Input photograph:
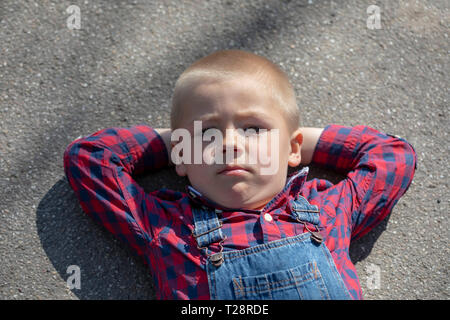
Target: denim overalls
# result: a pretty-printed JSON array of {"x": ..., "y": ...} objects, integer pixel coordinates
[{"x": 299, "y": 267}]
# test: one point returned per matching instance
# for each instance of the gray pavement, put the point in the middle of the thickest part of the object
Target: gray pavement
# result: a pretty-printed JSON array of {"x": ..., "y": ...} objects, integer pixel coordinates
[{"x": 119, "y": 68}]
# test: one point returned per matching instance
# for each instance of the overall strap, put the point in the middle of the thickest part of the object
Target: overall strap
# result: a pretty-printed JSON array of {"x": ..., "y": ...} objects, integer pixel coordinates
[
  {"x": 305, "y": 212},
  {"x": 207, "y": 226}
]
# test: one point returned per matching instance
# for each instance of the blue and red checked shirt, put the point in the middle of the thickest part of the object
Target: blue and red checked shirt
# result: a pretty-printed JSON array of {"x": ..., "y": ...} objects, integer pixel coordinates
[{"x": 157, "y": 226}]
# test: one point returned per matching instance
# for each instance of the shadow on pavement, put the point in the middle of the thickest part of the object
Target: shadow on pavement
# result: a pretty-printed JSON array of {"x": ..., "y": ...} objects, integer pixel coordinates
[
  {"x": 69, "y": 237},
  {"x": 109, "y": 270}
]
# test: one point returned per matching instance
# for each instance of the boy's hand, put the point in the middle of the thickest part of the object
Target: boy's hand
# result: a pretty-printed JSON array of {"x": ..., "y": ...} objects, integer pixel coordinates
[
  {"x": 165, "y": 134},
  {"x": 310, "y": 138}
]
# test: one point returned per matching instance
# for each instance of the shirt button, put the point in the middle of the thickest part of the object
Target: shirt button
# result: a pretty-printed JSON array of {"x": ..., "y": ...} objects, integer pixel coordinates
[{"x": 268, "y": 217}]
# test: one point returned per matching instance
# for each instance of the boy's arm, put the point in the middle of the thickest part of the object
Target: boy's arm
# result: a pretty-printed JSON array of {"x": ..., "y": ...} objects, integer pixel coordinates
[
  {"x": 379, "y": 168},
  {"x": 99, "y": 169},
  {"x": 310, "y": 138}
]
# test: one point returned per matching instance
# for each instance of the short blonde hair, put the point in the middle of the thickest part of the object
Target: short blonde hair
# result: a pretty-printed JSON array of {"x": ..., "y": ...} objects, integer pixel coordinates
[{"x": 229, "y": 64}]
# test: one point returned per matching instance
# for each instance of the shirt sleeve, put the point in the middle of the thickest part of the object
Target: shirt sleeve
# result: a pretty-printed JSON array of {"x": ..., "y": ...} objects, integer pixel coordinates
[
  {"x": 99, "y": 169},
  {"x": 379, "y": 169}
]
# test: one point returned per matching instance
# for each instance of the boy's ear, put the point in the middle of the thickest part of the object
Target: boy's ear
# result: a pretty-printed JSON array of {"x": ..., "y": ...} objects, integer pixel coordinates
[
  {"x": 179, "y": 168},
  {"x": 295, "y": 156}
]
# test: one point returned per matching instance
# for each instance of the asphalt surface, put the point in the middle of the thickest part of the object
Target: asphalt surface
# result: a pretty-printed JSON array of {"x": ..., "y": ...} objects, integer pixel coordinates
[{"x": 119, "y": 68}]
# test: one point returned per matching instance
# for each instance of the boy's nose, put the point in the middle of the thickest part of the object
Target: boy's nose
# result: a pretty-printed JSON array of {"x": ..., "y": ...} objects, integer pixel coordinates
[
  {"x": 232, "y": 144},
  {"x": 231, "y": 148}
]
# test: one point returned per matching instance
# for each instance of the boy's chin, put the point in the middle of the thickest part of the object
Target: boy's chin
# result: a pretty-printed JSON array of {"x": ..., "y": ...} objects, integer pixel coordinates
[
  {"x": 238, "y": 202},
  {"x": 238, "y": 195},
  {"x": 246, "y": 206}
]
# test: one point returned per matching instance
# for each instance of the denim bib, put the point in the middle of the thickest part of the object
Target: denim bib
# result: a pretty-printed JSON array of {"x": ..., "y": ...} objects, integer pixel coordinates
[{"x": 298, "y": 267}]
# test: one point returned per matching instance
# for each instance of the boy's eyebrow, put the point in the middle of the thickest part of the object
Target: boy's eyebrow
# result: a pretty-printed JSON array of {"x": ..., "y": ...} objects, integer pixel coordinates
[
  {"x": 208, "y": 117},
  {"x": 255, "y": 112}
]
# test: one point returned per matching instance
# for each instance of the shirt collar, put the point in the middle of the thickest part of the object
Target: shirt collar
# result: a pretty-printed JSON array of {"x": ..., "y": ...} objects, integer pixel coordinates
[{"x": 293, "y": 185}]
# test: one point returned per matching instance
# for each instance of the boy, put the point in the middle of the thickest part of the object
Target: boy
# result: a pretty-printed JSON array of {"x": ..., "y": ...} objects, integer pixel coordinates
[{"x": 238, "y": 233}]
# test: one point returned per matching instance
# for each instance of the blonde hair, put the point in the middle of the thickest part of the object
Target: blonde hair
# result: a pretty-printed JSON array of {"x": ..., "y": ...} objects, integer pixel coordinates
[{"x": 229, "y": 64}]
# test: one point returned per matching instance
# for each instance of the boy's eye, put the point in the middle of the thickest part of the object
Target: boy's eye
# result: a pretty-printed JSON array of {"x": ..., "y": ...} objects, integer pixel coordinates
[
  {"x": 204, "y": 130},
  {"x": 252, "y": 130}
]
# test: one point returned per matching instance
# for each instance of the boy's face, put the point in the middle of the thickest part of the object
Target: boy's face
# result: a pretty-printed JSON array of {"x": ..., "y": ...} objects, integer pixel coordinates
[{"x": 237, "y": 181}]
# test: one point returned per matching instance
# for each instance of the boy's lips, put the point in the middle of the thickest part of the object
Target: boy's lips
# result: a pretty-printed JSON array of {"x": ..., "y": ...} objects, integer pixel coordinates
[{"x": 233, "y": 170}]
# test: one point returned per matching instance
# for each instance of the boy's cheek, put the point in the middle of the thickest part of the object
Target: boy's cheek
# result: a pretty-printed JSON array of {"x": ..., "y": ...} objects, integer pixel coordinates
[{"x": 198, "y": 170}]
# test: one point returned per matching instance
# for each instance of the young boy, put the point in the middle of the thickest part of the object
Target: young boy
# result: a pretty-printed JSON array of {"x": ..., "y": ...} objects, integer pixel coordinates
[{"x": 240, "y": 232}]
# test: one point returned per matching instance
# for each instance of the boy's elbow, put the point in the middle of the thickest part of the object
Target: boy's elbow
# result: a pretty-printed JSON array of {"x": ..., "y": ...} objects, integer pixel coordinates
[
  {"x": 410, "y": 156},
  {"x": 403, "y": 147},
  {"x": 76, "y": 155},
  {"x": 72, "y": 150},
  {"x": 410, "y": 159},
  {"x": 407, "y": 162},
  {"x": 70, "y": 156}
]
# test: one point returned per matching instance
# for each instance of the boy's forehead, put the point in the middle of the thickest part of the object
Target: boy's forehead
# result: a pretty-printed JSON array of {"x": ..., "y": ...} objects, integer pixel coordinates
[
  {"x": 230, "y": 98},
  {"x": 242, "y": 88},
  {"x": 237, "y": 95}
]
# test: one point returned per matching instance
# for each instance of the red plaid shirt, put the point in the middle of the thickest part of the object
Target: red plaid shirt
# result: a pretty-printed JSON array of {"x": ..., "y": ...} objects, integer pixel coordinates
[{"x": 157, "y": 226}]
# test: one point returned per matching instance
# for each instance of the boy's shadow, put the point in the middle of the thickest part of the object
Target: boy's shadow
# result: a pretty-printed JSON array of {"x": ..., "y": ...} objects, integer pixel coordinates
[{"x": 108, "y": 269}]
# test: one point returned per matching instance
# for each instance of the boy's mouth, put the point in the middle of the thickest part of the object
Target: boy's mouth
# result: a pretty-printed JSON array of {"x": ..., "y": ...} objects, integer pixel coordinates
[{"x": 233, "y": 170}]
